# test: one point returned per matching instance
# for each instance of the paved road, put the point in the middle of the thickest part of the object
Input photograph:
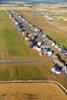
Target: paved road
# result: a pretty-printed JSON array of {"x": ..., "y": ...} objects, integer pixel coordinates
[
  {"x": 23, "y": 61},
  {"x": 29, "y": 29},
  {"x": 26, "y": 26}
]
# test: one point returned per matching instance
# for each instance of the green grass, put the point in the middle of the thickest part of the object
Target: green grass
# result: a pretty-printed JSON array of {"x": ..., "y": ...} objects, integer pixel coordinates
[
  {"x": 12, "y": 40},
  {"x": 58, "y": 35},
  {"x": 28, "y": 72},
  {"x": 4, "y": 75}
]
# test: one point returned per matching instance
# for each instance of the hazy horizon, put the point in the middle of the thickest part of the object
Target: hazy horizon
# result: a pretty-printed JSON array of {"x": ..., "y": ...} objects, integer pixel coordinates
[{"x": 31, "y": 1}]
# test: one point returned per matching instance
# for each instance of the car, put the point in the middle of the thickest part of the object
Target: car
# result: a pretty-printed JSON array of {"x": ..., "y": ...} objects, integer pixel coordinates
[
  {"x": 33, "y": 42},
  {"x": 47, "y": 50},
  {"x": 64, "y": 51},
  {"x": 57, "y": 69},
  {"x": 20, "y": 25}
]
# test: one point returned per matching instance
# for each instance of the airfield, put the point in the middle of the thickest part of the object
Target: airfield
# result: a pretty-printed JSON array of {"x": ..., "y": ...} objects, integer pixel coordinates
[{"x": 26, "y": 64}]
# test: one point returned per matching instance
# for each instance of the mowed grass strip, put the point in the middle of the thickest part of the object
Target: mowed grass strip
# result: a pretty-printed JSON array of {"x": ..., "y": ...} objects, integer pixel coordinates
[
  {"x": 13, "y": 42},
  {"x": 58, "y": 35},
  {"x": 26, "y": 72},
  {"x": 40, "y": 71},
  {"x": 4, "y": 75}
]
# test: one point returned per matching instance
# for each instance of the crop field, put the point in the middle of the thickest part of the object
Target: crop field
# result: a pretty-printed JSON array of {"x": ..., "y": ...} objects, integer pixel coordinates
[
  {"x": 31, "y": 91},
  {"x": 62, "y": 25},
  {"x": 13, "y": 47},
  {"x": 53, "y": 31}
]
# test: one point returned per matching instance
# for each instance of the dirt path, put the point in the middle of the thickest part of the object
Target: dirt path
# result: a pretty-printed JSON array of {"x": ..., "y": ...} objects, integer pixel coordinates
[{"x": 22, "y": 61}]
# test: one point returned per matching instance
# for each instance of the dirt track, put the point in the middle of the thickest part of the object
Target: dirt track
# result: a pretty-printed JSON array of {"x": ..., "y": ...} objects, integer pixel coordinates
[
  {"x": 22, "y": 61},
  {"x": 31, "y": 91}
]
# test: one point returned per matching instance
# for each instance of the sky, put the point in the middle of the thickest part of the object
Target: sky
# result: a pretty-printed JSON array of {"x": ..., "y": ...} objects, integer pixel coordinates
[{"x": 34, "y": 0}]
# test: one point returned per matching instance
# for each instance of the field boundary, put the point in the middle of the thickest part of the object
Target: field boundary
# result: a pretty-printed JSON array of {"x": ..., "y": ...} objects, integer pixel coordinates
[
  {"x": 37, "y": 81},
  {"x": 21, "y": 61}
]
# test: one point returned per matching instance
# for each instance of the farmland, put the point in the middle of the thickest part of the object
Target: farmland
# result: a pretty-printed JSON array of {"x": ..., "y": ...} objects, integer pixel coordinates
[
  {"x": 13, "y": 46},
  {"x": 11, "y": 43},
  {"x": 31, "y": 91},
  {"x": 54, "y": 31},
  {"x": 40, "y": 71}
]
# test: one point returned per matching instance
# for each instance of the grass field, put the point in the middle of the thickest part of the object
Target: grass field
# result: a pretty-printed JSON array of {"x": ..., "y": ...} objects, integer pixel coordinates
[
  {"x": 62, "y": 25},
  {"x": 40, "y": 71},
  {"x": 31, "y": 91},
  {"x": 11, "y": 43},
  {"x": 20, "y": 72},
  {"x": 12, "y": 46},
  {"x": 47, "y": 28}
]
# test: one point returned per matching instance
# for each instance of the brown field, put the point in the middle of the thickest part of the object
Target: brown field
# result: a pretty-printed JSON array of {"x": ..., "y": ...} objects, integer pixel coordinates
[
  {"x": 31, "y": 91},
  {"x": 62, "y": 25},
  {"x": 58, "y": 9},
  {"x": 55, "y": 32},
  {"x": 51, "y": 7},
  {"x": 14, "y": 7}
]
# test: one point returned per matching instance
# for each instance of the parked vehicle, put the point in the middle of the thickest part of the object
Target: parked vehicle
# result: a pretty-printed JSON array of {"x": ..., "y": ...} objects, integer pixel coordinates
[
  {"x": 64, "y": 51},
  {"x": 47, "y": 50},
  {"x": 57, "y": 69}
]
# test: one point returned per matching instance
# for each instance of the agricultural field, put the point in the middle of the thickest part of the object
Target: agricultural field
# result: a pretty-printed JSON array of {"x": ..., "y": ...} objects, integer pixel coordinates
[
  {"x": 13, "y": 47},
  {"x": 38, "y": 71},
  {"x": 13, "y": 6},
  {"x": 31, "y": 91},
  {"x": 53, "y": 31},
  {"x": 61, "y": 25}
]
